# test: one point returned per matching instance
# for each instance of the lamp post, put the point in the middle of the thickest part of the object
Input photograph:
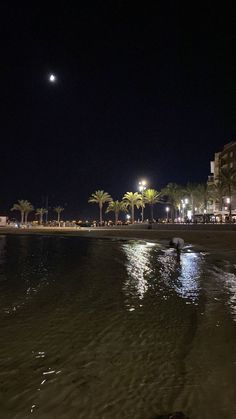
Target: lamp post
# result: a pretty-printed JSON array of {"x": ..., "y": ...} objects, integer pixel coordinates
[
  {"x": 142, "y": 187},
  {"x": 167, "y": 214},
  {"x": 183, "y": 206},
  {"x": 228, "y": 201}
]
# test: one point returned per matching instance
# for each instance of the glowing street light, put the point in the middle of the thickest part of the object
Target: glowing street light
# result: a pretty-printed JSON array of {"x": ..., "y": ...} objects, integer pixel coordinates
[
  {"x": 167, "y": 213},
  {"x": 142, "y": 187}
]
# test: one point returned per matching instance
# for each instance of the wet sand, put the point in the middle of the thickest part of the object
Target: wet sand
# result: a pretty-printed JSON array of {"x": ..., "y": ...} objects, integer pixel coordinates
[{"x": 214, "y": 239}]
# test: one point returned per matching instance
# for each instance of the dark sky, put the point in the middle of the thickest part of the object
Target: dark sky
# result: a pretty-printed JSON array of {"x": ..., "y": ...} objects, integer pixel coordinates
[{"x": 141, "y": 92}]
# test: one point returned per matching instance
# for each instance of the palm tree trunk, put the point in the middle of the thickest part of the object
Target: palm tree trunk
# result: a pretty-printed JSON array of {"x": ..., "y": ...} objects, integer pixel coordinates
[
  {"x": 172, "y": 213},
  {"x": 132, "y": 213},
  {"x": 193, "y": 209},
  {"x": 26, "y": 217},
  {"x": 116, "y": 217},
  {"x": 22, "y": 217},
  {"x": 151, "y": 207},
  {"x": 41, "y": 218},
  {"x": 58, "y": 218},
  {"x": 100, "y": 207}
]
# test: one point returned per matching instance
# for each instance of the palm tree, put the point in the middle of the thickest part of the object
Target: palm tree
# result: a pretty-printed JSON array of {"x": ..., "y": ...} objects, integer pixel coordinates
[
  {"x": 58, "y": 210},
  {"x": 215, "y": 193},
  {"x": 133, "y": 199},
  {"x": 116, "y": 207},
  {"x": 202, "y": 198},
  {"x": 41, "y": 212},
  {"x": 151, "y": 197},
  {"x": 192, "y": 190},
  {"x": 100, "y": 197},
  {"x": 25, "y": 207},
  {"x": 228, "y": 181},
  {"x": 173, "y": 193},
  {"x": 28, "y": 210}
]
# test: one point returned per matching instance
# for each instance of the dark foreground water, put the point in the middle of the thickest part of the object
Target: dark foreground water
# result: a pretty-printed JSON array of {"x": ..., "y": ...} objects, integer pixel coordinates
[{"x": 107, "y": 329}]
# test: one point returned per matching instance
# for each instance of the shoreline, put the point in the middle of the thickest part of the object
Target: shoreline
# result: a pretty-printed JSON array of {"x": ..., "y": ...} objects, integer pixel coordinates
[{"x": 214, "y": 239}]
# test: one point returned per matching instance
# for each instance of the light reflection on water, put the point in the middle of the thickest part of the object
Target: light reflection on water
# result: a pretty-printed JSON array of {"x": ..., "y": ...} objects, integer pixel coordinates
[
  {"x": 138, "y": 266},
  {"x": 111, "y": 329},
  {"x": 149, "y": 264}
]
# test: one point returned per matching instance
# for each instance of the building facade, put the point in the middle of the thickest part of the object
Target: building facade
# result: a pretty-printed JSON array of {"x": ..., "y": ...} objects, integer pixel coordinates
[{"x": 224, "y": 162}]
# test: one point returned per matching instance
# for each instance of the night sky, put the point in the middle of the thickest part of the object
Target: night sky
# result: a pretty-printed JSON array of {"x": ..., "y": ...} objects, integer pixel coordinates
[{"x": 140, "y": 92}]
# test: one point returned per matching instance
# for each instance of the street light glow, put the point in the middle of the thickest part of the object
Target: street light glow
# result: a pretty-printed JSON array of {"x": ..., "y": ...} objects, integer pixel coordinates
[
  {"x": 167, "y": 214},
  {"x": 142, "y": 186}
]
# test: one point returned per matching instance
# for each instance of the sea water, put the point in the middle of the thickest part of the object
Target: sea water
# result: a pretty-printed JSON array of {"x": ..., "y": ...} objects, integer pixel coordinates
[{"x": 107, "y": 329}]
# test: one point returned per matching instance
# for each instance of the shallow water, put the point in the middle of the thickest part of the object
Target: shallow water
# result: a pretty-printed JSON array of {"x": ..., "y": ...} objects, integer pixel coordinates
[{"x": 107, "y": 329}]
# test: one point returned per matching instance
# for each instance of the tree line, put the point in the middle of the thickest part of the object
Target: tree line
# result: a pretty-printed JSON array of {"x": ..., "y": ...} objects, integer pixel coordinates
[
  {"x": 194, "y": 196},
  {"x": 25, "y": 208},
  {"x": 199, "y": 196}
]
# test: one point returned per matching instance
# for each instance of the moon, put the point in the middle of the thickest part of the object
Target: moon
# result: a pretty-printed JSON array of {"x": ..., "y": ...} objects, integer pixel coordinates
[{"x": 52, "y": 78}]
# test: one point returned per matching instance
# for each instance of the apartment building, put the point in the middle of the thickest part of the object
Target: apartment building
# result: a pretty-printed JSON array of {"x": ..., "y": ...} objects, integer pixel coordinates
[{"x": 223, "y": 161}]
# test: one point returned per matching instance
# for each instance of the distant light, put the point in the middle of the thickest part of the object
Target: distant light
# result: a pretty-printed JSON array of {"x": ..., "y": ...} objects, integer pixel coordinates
[
  {"x": 142, "y": 185},
  {"x": 189, "y": 214},
  {"x": 128, "y": 216},
  {"x": 186, "y": 200},
  {"x": 228, "y": 200},
  {"x": 167, "y": 209},
  {"x": 52, "y": 78}
]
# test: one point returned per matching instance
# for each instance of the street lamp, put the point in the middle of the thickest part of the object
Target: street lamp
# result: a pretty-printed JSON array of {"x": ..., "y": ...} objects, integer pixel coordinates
[
  {"x": 167, "y": 214},
  {"x": 228, "y": 201},
  {"x": 183, "y": 205},
  {"x": 142, "y": 187},
  {"x": 128, "y": 217}
]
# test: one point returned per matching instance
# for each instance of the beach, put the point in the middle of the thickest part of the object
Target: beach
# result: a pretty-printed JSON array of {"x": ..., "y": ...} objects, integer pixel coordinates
[{"x": 214, "y": 238}]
